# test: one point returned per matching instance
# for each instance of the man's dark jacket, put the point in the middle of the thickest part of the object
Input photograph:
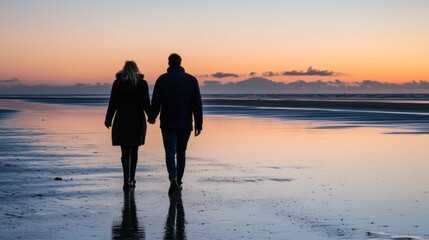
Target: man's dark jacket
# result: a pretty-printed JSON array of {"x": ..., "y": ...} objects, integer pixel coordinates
[{"x": 177, "y": 96}]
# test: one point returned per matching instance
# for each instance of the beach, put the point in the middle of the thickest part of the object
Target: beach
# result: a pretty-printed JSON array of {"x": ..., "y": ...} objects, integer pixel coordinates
[{"x": 261, "y": 169}]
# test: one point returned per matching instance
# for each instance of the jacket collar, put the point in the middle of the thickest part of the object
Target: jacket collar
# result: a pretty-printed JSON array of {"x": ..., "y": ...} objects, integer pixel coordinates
[{"x": 175, "y": 69}]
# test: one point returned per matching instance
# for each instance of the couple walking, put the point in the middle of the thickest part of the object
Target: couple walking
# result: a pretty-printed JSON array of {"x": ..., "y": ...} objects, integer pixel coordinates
[{"x": 176, "y": 97}]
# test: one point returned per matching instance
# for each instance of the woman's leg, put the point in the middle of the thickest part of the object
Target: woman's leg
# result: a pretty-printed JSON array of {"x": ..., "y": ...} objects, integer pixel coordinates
[
  {"x": 125, "y": 159},
  {"x": 134, "y": 157}
]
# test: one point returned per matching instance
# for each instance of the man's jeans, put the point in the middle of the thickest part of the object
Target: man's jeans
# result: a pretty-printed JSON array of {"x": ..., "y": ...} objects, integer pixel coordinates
[{"x": 175, "y": 142}]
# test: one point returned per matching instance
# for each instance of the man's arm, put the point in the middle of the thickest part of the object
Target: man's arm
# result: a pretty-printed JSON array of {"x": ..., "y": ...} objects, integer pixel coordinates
[
  {"x": 156, "y": 102},
  {"x": 197, "y": 109}
]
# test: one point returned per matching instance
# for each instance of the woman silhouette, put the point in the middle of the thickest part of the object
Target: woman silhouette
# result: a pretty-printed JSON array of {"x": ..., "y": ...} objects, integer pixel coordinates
[{"x": 129, "y": 100}]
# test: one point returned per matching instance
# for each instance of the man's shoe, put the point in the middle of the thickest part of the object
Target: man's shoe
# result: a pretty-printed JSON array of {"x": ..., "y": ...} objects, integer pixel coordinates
[
  {"x": 179, "y": 185},
  {"x": 173, "y": 187}
]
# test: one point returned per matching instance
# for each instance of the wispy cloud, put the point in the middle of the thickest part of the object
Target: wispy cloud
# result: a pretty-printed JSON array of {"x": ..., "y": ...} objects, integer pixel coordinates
[
  {"x": 270, "y": 74},
  {"x": 224, "y": 75},
  {"x": 310, "y": 72},
  {"x": 13, "y": 81}
]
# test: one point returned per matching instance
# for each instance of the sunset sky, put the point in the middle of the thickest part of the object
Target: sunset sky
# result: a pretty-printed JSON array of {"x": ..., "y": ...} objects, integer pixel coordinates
[{"x": 86, "y": 41}]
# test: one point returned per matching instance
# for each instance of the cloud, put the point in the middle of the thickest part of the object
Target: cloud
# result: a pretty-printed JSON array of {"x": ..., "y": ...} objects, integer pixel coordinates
[
  {"x": 270, "y": 74},
  {"x": 266, "y": 86},
  {"x": 310, "y": 72},
  {"x": 13, "y": 81},
  {"x": 224, "y": 75}
]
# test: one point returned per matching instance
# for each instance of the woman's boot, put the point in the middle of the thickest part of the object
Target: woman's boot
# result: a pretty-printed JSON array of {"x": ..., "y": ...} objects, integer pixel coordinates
[
  {"x": 133, "y": 171},
  {"x": 126, "y": 171}
]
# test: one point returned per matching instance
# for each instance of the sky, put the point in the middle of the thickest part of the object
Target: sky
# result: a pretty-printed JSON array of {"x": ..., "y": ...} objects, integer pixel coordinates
[{"x": 59, "y": 42}]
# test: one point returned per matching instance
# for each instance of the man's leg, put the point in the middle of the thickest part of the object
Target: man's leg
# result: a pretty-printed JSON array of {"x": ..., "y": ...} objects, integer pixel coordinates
[
  {"x": 182, "y": 143},
  {"x": 169, "y": 139}
]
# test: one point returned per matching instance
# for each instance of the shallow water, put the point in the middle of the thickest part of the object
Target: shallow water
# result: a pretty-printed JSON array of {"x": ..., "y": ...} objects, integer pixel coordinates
[{"x": 251, "y": 178}]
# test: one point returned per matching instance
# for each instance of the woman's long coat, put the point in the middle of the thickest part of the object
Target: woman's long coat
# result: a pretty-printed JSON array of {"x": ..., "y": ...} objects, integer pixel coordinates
[{"x": 127, "y": 105}]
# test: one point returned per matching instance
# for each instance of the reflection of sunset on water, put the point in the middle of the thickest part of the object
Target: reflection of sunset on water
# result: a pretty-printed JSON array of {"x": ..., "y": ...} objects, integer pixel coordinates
[{"x": 302, "y": 169}]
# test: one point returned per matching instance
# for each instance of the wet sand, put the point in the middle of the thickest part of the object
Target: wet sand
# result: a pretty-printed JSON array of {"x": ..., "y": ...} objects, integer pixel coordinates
[{"x": 246, "y": 178}]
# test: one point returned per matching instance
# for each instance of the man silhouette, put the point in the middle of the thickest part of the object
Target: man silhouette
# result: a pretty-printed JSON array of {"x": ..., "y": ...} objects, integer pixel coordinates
[{"x": 177, "y": 96}]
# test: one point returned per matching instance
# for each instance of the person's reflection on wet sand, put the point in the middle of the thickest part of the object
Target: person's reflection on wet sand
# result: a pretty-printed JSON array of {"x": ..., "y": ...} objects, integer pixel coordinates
[
  {"x": 128, "y": 227},
  {"x": 175, "y": 224}
]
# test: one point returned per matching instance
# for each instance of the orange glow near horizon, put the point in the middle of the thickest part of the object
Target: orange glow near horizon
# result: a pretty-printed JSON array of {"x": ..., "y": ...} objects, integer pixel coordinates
[
  {"x": 76, "y": 66},
  {"x": 36, "y": 63}
]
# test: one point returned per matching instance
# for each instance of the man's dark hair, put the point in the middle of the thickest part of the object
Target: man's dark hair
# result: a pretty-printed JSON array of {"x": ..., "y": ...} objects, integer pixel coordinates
[{"x": 174, "y": 60}]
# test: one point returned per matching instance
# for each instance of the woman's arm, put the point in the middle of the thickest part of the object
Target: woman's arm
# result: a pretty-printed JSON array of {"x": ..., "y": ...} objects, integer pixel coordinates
[
  {"x": 113, "y": 105},
  {"x": 146, "y": 100}
]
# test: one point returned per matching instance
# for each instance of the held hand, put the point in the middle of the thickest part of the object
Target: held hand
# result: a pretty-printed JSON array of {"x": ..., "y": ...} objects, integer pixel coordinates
[
  {"x": 108, "y": 125},
  {"x": 197, "y": 132}
]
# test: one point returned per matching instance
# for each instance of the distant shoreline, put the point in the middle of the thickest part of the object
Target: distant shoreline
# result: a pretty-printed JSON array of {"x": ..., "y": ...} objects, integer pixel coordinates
[
  {"x": 334, "y": 104},
  {"x": 377, "y": 102}
]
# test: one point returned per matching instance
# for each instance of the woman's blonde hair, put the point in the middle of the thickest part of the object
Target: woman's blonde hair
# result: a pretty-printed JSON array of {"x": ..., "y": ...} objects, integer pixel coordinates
[{"x": 131, "y": 72}]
